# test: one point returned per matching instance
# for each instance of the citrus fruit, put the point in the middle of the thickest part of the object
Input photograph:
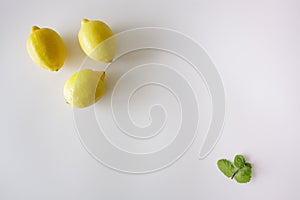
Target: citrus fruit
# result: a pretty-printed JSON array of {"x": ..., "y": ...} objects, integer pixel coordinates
[
  {"x": 84, "y": 88},
  {"x": 46, "y": 48},
  {"x": 96, "y": 40}
]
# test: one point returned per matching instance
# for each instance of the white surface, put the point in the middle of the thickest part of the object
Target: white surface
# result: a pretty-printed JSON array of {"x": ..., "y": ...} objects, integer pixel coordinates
[{"x": 254, "y": 44}]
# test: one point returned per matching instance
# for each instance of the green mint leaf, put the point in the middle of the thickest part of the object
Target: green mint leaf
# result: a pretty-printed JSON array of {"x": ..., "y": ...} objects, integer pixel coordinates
[
  {"x": 248, "y": 165},
  {"x": 239, "y": 161},
  {"x": 226, "y": 167},
  {"x": 243, "y": 175}
]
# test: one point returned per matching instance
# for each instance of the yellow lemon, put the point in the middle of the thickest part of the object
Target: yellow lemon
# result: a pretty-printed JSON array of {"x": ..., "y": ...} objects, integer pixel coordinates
[
  {"x": 46, "y": 48},
  {"x": 84, "y": 88},
  {"x": 96, "y": 40}
]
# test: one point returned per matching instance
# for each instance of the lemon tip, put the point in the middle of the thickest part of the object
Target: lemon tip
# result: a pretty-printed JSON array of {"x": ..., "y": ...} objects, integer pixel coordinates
[
  {"x": 84, "y": 21},
  {"x": 34, "y": 28},
  {"x": 102, "y": 76}
]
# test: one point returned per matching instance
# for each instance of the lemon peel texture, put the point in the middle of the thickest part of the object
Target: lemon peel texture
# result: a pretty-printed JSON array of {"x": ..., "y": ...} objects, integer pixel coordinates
[
  {"x": 84, "y": 88},
  {"x": 46, "y": 48},
  {"x": 96, "y": 40}
]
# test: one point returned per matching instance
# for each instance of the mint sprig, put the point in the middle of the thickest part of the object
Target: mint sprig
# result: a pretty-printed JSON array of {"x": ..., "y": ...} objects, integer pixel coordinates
[
  {"x": 226, "y": 167},
  {"x": 241, "y": 171}
]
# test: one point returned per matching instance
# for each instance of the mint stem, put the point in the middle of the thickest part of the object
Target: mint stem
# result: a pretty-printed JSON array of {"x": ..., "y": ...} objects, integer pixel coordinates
[{"x": 234, "y": 173}]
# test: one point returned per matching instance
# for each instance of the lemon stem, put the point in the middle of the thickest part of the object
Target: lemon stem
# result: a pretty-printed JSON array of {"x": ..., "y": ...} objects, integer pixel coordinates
[
  {"x": 102, "y": 76},
  {"x": 34, "y": 28},
  {"x": 84, "y": 21}
]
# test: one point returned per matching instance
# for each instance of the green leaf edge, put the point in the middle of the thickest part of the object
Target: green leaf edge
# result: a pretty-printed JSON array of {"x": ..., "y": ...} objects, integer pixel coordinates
[
  {"x": 226, "y": 167},
  {"x": 246, "y": 176},
  {"x": 239, "y": 161}
]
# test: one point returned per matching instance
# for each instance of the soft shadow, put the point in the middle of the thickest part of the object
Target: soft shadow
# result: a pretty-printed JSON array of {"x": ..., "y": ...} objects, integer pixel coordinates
[{"x": 75, "y": 56}]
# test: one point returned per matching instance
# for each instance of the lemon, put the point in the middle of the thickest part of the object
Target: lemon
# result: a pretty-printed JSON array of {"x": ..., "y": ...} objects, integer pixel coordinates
[
  {"x": 46, "y": 48},
  {"x": 96, "y": 40},
  {"x": 84, "y": 88}
]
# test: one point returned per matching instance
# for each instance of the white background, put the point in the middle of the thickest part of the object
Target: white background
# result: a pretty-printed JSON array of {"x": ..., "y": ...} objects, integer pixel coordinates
[{"x": 255, "y": 46}]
